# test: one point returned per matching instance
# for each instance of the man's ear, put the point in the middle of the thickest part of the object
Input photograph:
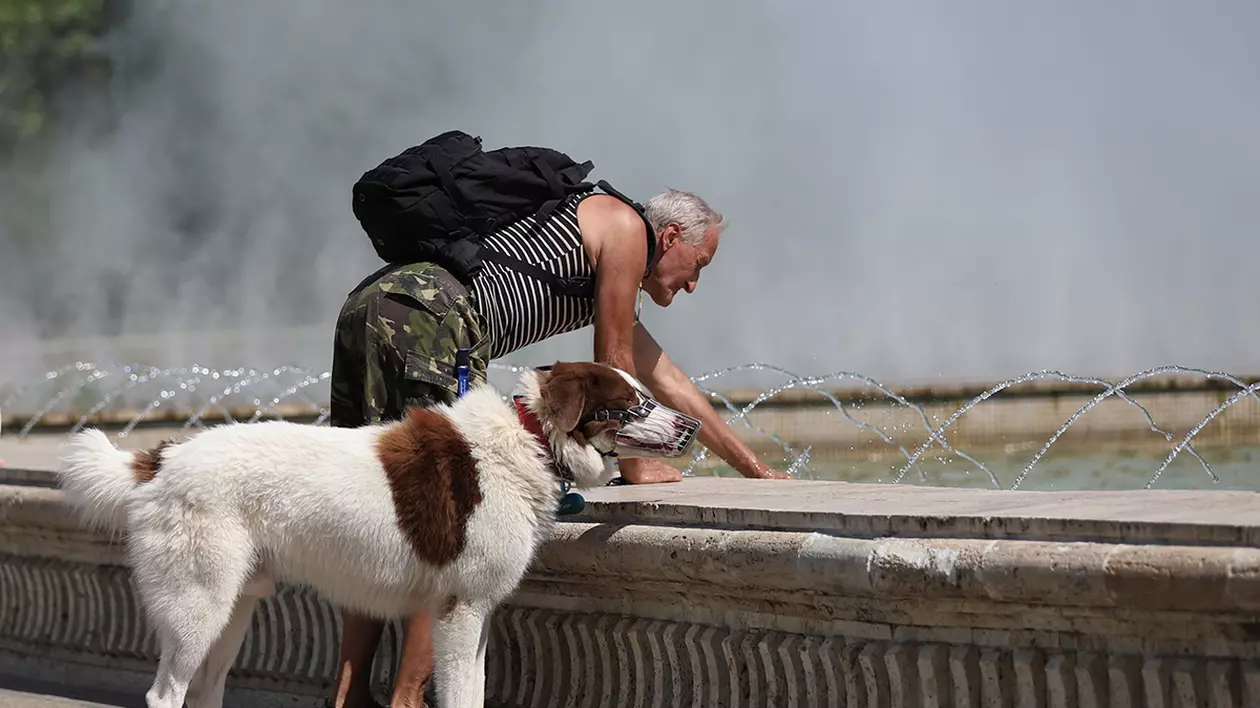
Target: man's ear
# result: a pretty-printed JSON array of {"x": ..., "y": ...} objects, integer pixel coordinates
[
  {"x": 564, "y": 396},
  {"x": 671, "y": 236}
]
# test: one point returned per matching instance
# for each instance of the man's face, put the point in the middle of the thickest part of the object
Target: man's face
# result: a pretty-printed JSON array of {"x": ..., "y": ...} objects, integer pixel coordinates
[{"x": 679, "y": 265}]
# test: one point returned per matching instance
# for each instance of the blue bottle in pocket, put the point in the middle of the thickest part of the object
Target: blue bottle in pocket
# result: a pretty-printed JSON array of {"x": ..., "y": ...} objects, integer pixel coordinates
[{"x": 462, "y": 360}]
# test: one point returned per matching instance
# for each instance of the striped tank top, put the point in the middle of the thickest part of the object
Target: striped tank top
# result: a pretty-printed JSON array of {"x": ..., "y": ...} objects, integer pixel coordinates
[{"x": 519, "y": 310}]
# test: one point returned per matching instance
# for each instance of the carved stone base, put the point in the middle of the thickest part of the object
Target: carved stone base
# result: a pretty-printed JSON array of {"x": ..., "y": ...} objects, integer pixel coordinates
[
  {"x": 77, "y": 618},
  {"x": 618, "y": 614}
]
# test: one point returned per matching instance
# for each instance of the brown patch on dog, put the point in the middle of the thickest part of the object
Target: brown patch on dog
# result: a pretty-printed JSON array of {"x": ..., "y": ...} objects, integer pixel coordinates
[
  {"x": 574, "y": 390},
  {"x": 146, "y": 463},
  {"x": 433, "y": 478}
]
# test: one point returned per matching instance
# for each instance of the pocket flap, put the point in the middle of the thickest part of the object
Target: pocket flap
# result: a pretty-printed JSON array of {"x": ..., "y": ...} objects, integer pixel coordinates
[{"x": 430, "y": 371}]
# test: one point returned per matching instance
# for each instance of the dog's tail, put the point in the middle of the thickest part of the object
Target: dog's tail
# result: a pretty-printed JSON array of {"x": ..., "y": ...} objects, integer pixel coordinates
[{"x": 97, "y": 478}]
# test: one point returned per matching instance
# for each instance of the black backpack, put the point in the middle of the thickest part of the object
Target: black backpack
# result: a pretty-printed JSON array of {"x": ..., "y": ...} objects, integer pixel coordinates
[{"x": 436, "y": 202}]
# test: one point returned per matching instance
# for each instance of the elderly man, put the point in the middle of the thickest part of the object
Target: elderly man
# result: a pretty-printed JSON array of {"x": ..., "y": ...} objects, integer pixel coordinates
[{"x": 400, "y": 333}]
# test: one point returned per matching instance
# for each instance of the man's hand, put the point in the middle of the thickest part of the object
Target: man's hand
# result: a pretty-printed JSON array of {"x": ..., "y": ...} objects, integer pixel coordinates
[
  {"x": 763, "y": 471},
  {"x": 648, "y": 471}
]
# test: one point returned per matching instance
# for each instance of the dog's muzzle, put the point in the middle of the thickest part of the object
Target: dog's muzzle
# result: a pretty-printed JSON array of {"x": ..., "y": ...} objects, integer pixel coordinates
[{"x": 650, "y": 429}]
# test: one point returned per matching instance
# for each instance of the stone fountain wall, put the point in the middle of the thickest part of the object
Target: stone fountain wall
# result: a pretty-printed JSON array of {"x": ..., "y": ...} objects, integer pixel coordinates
[{"x": 721, "y": 592}]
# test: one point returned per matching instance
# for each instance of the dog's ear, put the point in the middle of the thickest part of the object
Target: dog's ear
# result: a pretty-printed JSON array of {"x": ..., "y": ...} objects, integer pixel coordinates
[{"x": 564, "y": 395}]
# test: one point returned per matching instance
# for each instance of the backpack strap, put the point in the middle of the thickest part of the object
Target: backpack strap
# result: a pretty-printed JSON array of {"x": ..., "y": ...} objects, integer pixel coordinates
[
  {"x": 442, "y": 170},
  {"x": 548, "y": 174},
  {"x": 577, "y": 286},
  {"x": 571, "y": 287}
]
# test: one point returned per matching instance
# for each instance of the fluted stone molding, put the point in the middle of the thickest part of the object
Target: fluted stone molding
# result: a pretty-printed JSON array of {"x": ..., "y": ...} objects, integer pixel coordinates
[{"x": 642, "y": 615}]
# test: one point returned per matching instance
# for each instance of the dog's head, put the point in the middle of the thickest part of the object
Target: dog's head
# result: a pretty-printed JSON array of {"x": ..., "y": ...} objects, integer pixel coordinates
[{"x": 593, "y": 413}]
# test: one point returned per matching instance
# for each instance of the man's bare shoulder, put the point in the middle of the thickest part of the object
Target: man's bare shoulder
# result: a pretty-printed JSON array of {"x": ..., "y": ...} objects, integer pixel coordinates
[
  {"x": 607, "y": 212},
  {"x": 603, "y": 218}
]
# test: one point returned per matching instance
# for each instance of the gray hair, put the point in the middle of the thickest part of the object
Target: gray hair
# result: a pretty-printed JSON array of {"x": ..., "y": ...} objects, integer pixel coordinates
[{"x": 687, "y": 210}]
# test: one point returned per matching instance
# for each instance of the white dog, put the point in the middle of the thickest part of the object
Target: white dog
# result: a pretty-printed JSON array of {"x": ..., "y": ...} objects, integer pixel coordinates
[{"x": 442, "y": 512}]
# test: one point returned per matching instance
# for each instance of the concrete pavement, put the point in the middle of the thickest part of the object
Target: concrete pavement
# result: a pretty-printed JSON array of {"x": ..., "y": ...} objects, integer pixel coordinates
[
  {"x": 22, "y": 699},
  {"x": 22, "y": 693}
]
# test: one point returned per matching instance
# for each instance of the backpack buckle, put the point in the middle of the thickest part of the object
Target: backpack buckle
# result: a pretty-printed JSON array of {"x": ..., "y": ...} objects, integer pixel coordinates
[{"x": 577, "y": 286}]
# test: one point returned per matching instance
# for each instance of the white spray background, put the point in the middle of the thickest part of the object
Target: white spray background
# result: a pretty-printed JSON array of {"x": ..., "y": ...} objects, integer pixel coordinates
[{"x": 962, "y": 190}]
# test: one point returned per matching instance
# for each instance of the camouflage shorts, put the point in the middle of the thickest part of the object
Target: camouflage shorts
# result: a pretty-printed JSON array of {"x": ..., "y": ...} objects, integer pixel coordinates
[{"x": 395, "y": 344}]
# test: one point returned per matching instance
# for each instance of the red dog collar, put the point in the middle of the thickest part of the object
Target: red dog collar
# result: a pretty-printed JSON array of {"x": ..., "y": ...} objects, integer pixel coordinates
[{"x": 531, "y": 423}]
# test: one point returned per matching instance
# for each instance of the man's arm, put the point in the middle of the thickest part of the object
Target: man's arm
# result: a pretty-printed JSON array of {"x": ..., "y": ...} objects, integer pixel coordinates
[
  {"x": 668, "y": 383},
  {"x": 621, "y": 259},
  {"x": 620, "y": 253},
  {"x": 619, "y": 240}
]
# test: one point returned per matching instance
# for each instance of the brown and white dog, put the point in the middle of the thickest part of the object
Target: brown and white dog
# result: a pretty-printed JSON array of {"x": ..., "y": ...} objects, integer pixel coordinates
[{"x": 442, "y": 511}]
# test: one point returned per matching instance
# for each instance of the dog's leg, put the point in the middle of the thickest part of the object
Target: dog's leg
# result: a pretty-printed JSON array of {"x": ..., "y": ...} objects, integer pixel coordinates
[
  {"x": 186, "y": 640},
  {"x": 457, "y": 641},
  {"x": 208, "y": 684},
  {"x": 479, "y": 681},
  {"x": 189, "y": 571}
]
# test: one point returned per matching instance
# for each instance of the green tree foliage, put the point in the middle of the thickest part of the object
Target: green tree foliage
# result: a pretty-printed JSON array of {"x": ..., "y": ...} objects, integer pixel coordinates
[{"x": 45, "y": 45}]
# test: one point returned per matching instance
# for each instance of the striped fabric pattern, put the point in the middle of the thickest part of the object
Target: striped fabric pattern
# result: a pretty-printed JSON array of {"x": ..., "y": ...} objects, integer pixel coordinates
[{"x": 520, "y": 310}]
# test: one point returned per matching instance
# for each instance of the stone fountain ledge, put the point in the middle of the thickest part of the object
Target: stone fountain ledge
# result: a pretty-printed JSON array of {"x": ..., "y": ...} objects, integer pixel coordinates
[
  {"x": 877, "y": 510},
  {"x": 751, "y": 592}
]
